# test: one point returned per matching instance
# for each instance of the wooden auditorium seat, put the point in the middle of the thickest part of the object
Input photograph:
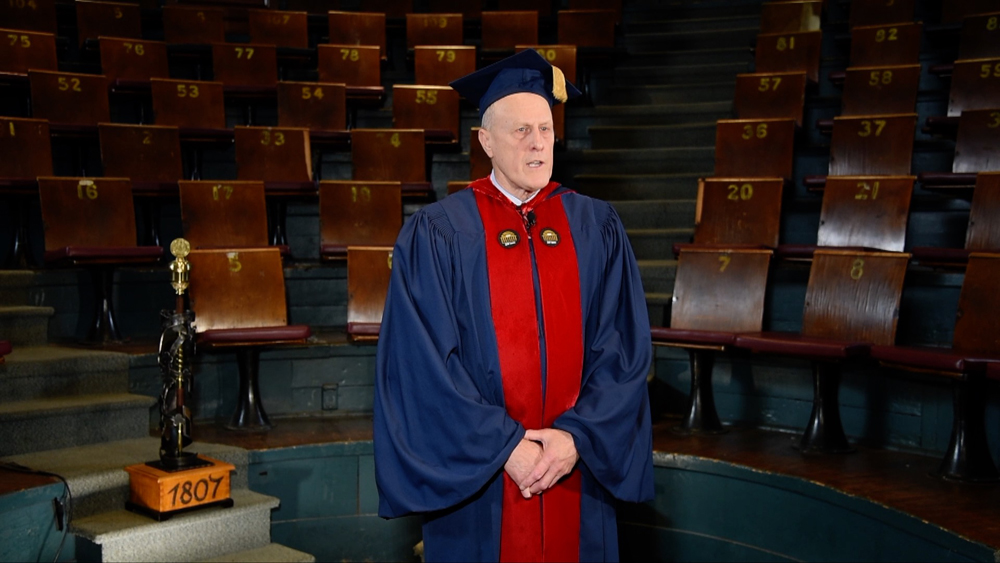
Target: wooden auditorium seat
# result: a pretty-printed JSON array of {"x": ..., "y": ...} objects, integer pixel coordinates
[
  {"x": 245, "y": 67},
  {"x": 25, "y": 154},
  {"x": 877, "y": 91},
  {"x": 5, "y": 349},
  {"x": 613, "y": 5},
  {"x": 433, "y": 29},
  {"x": 543, "y": 8},
  {"x": 109, "y": 19},
  {"x": 977, "y": 149},
  {"x": 393, "y": 9},
  {"x": 193, "y": 105},
  {"x": 974, "y": 345},
  {"x": 368, "y": 271},
  {"x": 737, "y": 213},
  {"x": 148, "y": 154},
  {"x": 881, "y": 13},
  {"x": 224, "y": 214},
  {"x": 431, "y": 108},
  {"x": 318, "y": 106},
  {"x": 391, "y": 155},
  {"x": 69, "y": 100},
  {"x": 852, "y": 303},
  {"x": 358, "y": 28},
  {"x": 131, "y": 62},
  {"x": 281, "y": 157},
  {"x": 789, "y": 52},
  {"x": 955, "y": 11},
  {"x": 238, "y": 297},
  {"x": 90, "y": 223},
  {"x": 21, "y": 50},
  {"x": 980, "y": 38},
  {"x": 780, "y": 95},
  {"x": 357, "y": 66},
  {"x": 983, "y": 232},
  {"x": 587, "y": 28},
  {"x": 754, "y": 148},
  {"x": 194, "y": 25},
  {"x": 281, "y": 28},
  {"x": 502, "y": 31},
  {"x": 480, "y": 164},
  {"x": 438, "y": 65},
  {"x": 975, "y": 84},
  {"x": 469, "y": 10},
  {"x": 862, "y": 213},
  {"x": 869, "y": 145},
  {"x": 787, "y": 17},
  {"x": 886, "y": 45},
  {"x": 358, "y": 214},
  {"x": 718, "y": 293},
  {"x": 39, "y": 15},
  {"x": 564, "y": 57}
]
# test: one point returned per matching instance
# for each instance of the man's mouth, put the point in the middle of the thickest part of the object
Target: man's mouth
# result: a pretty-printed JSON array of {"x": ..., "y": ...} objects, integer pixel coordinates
[{"x": 535, "y": 164}]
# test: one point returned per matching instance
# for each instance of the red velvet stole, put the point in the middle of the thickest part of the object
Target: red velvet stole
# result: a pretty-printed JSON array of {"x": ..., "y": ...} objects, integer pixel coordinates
[{"x": 545, "y": 527}]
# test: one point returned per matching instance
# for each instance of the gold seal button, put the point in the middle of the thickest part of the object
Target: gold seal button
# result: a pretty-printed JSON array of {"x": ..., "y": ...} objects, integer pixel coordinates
[
  {"x": 550, "y": 237},
  {"x": 508, "y": 238}
]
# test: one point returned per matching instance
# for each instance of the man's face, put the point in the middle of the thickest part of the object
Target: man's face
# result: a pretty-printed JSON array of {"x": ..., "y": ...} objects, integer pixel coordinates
[{"x": 519, "y": 142}]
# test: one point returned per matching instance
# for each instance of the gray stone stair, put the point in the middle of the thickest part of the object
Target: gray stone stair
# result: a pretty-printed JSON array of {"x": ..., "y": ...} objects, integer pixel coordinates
[
  {"x": 709, "y": 24},
  {"x": 270, "y": 552},
  {"x": 648, "y": 136},
  {"x": 658, "y": 275},
  {"x": 36, "y": 372},
  {"x": 653, "y": 244},
  {"x": 691, "y": 39},
  {"x": 24, "y": 325},
  {"x": 15, "y": 287},
  {"x": 721, "y": 91},
  {"x": 656, "y": 213},
  {"x": 638, "y": 186},
  {"x": 643, "y": 75},
  {"x": 690, "y": 159},
  {"x": 657, "y": 114}
]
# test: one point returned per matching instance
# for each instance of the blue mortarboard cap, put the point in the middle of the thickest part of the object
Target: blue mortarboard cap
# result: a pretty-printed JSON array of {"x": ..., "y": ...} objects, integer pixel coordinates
[{"x": 526, "y": 71}]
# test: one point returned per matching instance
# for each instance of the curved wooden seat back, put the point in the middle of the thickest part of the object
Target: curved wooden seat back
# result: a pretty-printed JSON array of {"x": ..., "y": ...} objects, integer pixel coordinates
[
  {"x": 564, "y": 57},
  {"x": 237, "y": 288},
  {"x": 442, "y": 63},
  {"x": 224, "y": 214},
  {"x": 741, "y": 211},
  {"x": 779, "y": 95},
  {"x": 110, "y": 19},
  {"x": 194, "y": 25},
  {"x": 854, "y": 295},
  {"x": 975, "y": 85},
  {"x": 747, "y": 148},
  {"x": 358, "y": 214},
  {"x": 433, "y": 29},
  {"x": 313, "y": 105},
  {"x": 956, "y": 10},
  {"x": 391, "y": 155},
  {"x": 720, "y": 289},
  {"x": 246, "y": 65},
  {"x": 866, "y": 212},
  {"x": 144, "y": 153},
  {"x": 789, "y": 52},
  {"x": 503, "y": 30},
  {"x": 885, "y": 45},
  {"x": 368, "y": 271},
  {"x": 273, "y": 154},
  {"x": 977, "y": 325},
  {"x": 21, "y": 50},
  {"x": 281, "y": 28},
  {"x": 587, "y": 28},
  {"x": 37, "y": 16},
  {"x": 984, "y": 216},
  {"x": 872, "y": 144},
  {"x": 431, "y": 108},
  {"x": 980, "y": 36},
  {"x": 69, "y": 98},
  {"x": 881, "y": 13},
  {"x": 353, "y": 65},
  {"x": 880, "y": 90},
  {"x": 977, "y": 148},
  {"x": 784, "y": 17},
  {"x": 87, "y": 212},
  {"x": 133, "y": 60},
  {"x": 357, "y": 28},
  {"x": 192, "y": 104},
  {"x": 25, "y": 149}
]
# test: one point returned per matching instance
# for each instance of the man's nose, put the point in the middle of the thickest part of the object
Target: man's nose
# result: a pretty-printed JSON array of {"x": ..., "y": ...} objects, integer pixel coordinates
[{"x": 537, "y": 139}]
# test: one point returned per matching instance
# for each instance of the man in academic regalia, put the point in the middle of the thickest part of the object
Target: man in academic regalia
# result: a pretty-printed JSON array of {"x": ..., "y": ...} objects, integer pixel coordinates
[{"x": 511, "y": 408}]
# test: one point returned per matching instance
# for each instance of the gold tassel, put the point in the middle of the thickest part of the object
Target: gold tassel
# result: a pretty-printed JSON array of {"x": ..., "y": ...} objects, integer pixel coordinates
[{"x": 558, "y": 85}]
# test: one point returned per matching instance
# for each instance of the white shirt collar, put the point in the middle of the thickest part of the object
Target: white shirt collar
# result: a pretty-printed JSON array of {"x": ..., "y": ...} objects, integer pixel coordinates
[{"x": 514, "y": 200}]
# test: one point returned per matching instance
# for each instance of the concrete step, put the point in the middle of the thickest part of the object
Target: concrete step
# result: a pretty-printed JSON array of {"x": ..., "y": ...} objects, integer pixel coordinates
[
  {"x": 678, "y": 74},
  {"x": 697, "y": 159},
  {"x": 121, "y": 535},
  {"x": 614, "y": 187},
  {"x": 648, "y": 136},
  {"x": 658, "y": 308},
  {"x": 673, "y": 93},
  {"x": 658, "y": 275},
  {"x": 15, "y": 287},
  {"x": 685, "y": 40},
  {"x": 656, "y": 213},
  {"x": 61, "y": 422},
  {"x": 657, "y": 244},
  {"x": 270, "y": 552},
  {"x": 658, "y": 114},
  {"x": 38, "y": 372},
  {"x": 693, "y": 24},
  {"x": 24, "y": 325},
  {"x": 742, "y": 55},
  {"x": 95, "y": 476}
]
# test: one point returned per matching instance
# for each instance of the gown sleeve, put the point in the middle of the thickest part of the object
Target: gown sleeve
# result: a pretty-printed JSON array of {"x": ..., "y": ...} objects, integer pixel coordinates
[
  {"x": 440, "y": 435},
  {"x": 610, "y": 422}
]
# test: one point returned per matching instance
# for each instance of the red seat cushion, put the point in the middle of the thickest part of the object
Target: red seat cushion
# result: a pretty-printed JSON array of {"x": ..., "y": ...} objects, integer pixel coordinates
[
  {"x": 944, "y": 360},
  {"x": 797, "y": 345},
  {"x": 5, "y": 347},
  {"x": 255, "y": 336},
  {"x": 104, "y": 254},
  {"x": 662, "y": 334},
  {"x": 364, "y": 329},
  {"x": 679, "y": 246},
  {"x": 932, "y": 180},
  {"x": 333, "y": 251},
  {"x": 946, "y": 255}
]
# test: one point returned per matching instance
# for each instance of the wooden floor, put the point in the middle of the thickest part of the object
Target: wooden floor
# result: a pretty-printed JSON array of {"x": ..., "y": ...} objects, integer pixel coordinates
[
  {"x": 902, "y": 481},
  {"x": 12, "y": 481}
]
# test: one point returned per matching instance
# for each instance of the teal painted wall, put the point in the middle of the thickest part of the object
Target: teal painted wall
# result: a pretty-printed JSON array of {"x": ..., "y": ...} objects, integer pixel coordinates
[{"x": 28, "y": 526}]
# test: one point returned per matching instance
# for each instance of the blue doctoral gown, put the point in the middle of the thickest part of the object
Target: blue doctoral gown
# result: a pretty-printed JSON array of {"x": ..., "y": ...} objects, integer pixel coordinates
[{"x": 442, "y": 434}]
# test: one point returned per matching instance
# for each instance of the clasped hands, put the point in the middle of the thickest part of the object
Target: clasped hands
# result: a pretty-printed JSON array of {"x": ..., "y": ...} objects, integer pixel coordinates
[{"x": 541, "y": 459}]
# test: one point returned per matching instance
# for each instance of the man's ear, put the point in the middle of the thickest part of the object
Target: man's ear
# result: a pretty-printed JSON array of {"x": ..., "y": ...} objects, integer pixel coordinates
[{"x": 486, "y": 141}]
